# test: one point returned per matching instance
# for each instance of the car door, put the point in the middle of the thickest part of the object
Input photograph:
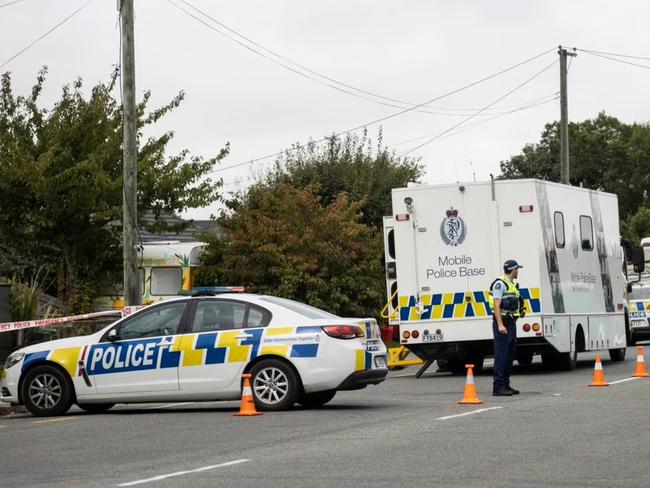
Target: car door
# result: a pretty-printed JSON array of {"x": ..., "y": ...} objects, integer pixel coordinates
[
  {"x": 222, "y": 342},
  {"x": 139, "y": 359}
]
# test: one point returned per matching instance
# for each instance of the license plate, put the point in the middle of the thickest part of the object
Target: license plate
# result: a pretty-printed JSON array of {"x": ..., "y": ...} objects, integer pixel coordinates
[{"x": 380, "y": 361}]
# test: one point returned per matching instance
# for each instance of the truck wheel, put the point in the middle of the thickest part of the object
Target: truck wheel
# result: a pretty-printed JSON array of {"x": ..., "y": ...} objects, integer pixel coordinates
[
  {"x": 525, "y": 358},
  {"x": 318, "y": 399},
  {"x": 47, "y": 391},
  {"x": 275, "y": 385},
  {"x": 94, "y": 408},
  {"x": 617, "y": 354}
]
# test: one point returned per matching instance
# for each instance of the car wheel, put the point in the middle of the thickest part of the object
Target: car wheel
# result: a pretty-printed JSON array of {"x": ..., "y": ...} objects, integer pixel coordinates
[
  {"x": 318, "y": 399},
  {"x": 95, "y": 407},
  {"x": 275, "y": 385},
  {"x": 617, "y": 354},
  {"x": 47, "y": 391}
]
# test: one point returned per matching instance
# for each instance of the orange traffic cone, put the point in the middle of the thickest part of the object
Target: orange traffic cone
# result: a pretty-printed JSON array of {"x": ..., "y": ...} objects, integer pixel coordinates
[
  {"x": 599, "y": 374},
  {"x": 247, "y": 403},
  {"x": 470, "y": 397},
  {"x": 640, "y": 371}
]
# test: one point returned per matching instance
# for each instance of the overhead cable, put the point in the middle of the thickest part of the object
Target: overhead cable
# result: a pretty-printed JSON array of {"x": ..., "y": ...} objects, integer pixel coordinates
[
  {"x": 31, "y": 44},
  {"x": 395, "y": 114},
  {"x": 510, "y": 92}
]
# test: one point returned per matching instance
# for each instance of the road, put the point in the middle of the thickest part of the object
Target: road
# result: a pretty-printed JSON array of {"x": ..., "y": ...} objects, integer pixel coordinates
[{"x": 405, "y": 432}]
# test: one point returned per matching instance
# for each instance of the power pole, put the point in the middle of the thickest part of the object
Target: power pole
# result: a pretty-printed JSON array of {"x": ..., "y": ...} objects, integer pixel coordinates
[
  {"x": 130, "y": 157},
  {"x": 564, "y": 117}
]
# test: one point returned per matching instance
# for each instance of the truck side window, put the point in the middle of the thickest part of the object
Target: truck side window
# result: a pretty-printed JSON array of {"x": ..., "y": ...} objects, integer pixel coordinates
[
  {"x": 586, "y": 233},
  {"x": 558, "y": 218},
  {"x": 391, "y": 243}
]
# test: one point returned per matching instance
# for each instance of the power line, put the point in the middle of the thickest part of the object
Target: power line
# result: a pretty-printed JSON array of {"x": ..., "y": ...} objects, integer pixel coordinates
[
  {"x": 11, "y": 3},
  {"x": 480, "y": 122},
  {"x": 284, "y": 62},
  {"x": 593, "y": 53},
  {"x": 230, "y": 184},
  {"x": 395, "y": 114},
  {"x": 419, "y": 146},
  {"x": 31, "y": 44}
]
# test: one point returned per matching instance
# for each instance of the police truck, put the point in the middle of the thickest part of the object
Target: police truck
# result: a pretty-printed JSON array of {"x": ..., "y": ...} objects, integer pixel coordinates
[{"x": 446, "y": 244}]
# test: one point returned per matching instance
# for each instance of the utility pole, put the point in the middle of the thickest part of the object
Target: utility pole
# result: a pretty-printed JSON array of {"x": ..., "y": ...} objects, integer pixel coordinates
[
  {"x": 564, "y": 117},
  {"x": 130, "y": 156}
]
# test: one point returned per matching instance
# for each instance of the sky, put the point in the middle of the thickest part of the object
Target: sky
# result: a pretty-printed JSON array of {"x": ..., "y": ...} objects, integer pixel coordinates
[{"x": 411, "y": 51}]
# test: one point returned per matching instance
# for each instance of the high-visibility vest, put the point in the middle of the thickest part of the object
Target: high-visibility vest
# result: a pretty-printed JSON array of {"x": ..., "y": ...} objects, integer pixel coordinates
[{"x": 510, "y": 301}]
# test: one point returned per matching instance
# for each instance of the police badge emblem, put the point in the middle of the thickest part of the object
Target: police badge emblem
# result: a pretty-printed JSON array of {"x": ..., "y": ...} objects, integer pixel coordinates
[{"x": 452, "y": 228}]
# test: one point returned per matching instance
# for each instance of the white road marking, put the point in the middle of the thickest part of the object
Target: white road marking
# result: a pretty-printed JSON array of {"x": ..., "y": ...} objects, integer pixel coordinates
[
  {"x": 168, "y": 405},
  {"x": 468, "y": 413},
  {"x": 180, "y": 473},
  {"x": 623, "y": 380}
]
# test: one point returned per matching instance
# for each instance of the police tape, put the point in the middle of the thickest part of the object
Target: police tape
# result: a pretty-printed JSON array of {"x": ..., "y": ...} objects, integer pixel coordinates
[{"x": 28, "y": 324}]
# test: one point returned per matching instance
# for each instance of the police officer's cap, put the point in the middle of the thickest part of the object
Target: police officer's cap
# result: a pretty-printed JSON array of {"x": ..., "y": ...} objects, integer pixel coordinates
[{"x": 511, "y": 265}]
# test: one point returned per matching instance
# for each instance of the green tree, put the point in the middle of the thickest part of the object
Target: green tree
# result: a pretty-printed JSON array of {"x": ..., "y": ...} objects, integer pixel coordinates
[
  {"x": 605, "y": 154},
  {"x": 61, "y": 183},
  {"x": 637, "y": 227},
  {"x": 283, "y": 241},
  {"x": 351, "y": 165}
]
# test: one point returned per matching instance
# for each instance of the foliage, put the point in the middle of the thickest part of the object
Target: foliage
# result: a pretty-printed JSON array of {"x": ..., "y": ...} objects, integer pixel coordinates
[
  {"x": 605, "y": 154},
  {"x": 349, "y": 165},
  {"x": 638, "y": 226},
  {"x": 283, "y": 241},
  {"x": 61, "y": 183}
]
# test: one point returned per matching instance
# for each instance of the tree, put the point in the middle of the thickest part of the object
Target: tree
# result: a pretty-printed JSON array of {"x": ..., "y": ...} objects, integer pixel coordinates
[
  {"x": 637, "y": 227},
  {"x": 605, "y": 154},
  {"x": 283, "y": 241},
  {"x": 349, "y": 165},
  {"x": 61, "y": 183}
]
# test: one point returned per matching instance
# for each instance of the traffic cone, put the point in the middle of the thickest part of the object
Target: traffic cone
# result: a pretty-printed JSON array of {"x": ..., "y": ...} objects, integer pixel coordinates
[
  {"x": 470, "y": 397},
  {"x": 599, "y": 374},
  {"x": 247, "y": 403},
  {"x": 640, "y": 371}
]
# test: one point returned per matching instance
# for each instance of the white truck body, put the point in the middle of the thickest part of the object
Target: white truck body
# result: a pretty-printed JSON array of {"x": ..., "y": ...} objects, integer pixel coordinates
[{"x": 446, "y": 244}]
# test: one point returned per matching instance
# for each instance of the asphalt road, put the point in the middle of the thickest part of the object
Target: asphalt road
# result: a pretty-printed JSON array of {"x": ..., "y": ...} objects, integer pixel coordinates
[{"x": 405, "y": 432}]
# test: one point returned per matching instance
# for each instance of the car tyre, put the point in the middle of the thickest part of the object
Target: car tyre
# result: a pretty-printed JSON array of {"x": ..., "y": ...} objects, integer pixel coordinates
[
  {"x": 617, "y": 354},
  {"x": 318, "y": 399},
  {"x": 95, "y": 408},
  {"x": 47, "y": 391},
  {"x": 275, "y": 385}
]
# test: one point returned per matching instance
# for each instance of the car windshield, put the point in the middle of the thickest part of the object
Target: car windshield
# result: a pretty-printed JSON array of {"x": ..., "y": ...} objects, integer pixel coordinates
[
  {"x": 639, "y": 294},
  {"x": 300, "y": 308}
]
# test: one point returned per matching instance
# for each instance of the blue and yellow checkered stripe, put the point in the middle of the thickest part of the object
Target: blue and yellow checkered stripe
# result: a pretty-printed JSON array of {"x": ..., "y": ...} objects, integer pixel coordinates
[
  {"x": 639, "y": 305},
  {"x": 443, "y": 306}
]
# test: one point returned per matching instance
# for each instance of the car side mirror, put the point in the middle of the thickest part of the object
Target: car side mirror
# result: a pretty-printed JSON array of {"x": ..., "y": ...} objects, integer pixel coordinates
[
  {"x": 113, "y": 335},
  {"x": 638, "y": 259},
  {"x": 629, "y": 287}
]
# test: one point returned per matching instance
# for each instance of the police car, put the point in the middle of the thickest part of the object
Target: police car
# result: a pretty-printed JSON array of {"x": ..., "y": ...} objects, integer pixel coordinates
[
  {"x": 639, "y": 309},
  {"x": 196, "y": 349}
]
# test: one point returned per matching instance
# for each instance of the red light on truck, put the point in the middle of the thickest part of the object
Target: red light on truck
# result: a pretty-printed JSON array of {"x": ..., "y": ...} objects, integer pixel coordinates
[
  {"x": 415, "y": 334},
  {"x": 526, "y": 327},
  {"x": 401, "y": 217},
  {"x": 525, "y": 208}
]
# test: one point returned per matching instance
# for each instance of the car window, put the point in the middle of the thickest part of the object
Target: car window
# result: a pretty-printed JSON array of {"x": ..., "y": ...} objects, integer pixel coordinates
[
  {"x": 214, "y": 315},
  {"x": 166, "y": 281},
  {"x": 152, "y": 322},
  {"x": 300, "y": 308},
  {"x": 256, "y": 317}
]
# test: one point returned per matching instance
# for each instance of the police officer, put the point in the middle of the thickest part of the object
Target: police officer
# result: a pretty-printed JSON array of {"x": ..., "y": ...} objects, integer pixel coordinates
[{"x": 507, "y": 307}]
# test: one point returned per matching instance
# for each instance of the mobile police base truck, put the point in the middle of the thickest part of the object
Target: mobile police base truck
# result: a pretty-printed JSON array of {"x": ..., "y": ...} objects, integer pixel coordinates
[{"x": 446, "y": 244}]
